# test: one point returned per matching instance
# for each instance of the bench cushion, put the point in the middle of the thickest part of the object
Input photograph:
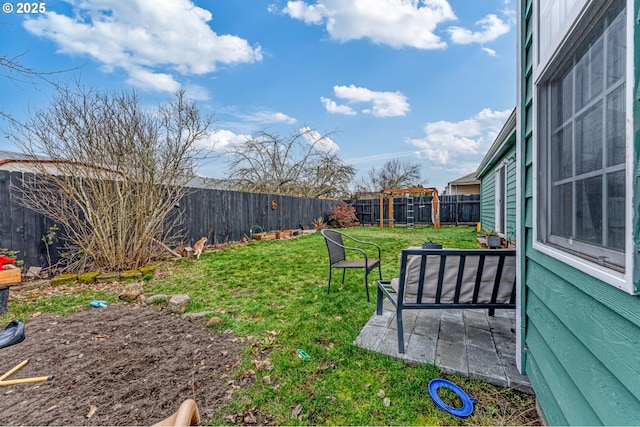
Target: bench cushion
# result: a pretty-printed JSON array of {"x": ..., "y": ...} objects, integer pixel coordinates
[{"x": 452, "y": 264}]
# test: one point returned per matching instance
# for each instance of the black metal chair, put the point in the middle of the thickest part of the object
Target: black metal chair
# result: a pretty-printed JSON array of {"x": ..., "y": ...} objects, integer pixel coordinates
[
  {"x": 14, "y": 334},
  {"x": 338, "y": 256}
]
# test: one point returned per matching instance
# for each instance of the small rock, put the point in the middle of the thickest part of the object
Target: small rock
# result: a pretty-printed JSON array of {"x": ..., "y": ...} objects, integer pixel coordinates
[
  {"x": 296, "y": 411},
  {"x": 387, "y": 401},
  {"x": 157, "y": 299},
  {"x": 381, "y": 393},
  {"x": 196, "y": 316},
  {"x": 214, "y": 321},
  {"x": 131, "y": 292},
  {"x": 178, "y": 303}
]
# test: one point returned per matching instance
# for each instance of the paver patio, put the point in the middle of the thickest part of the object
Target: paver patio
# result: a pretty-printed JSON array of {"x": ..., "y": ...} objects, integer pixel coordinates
[{"x": 467, "y": 342}]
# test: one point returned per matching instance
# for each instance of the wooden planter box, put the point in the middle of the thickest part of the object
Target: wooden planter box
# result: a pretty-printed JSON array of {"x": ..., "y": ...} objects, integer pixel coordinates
[
  {"x": 264, "y": 236},
  {"x": 10, "y": 277},
  {"x": 283, "y": 234}
]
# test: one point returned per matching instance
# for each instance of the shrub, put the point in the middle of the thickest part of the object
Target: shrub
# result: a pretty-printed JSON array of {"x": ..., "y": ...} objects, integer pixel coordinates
[
  {"x": 319, "y": 223},
  {"x": 343, "y": 216}
]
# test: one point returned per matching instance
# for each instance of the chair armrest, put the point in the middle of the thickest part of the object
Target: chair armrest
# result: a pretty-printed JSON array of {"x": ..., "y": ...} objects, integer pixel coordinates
[
  {"x": 351, "y": 248},
  {"x": 364, "y": 243}
]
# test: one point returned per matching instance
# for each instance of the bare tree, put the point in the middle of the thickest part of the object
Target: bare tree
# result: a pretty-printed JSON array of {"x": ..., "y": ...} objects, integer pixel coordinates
[
  {"x": 12, "y": 69},
  {"x": 393, "y": 174},
  {"x": 299, "y": 165},
  {"x": 111, "y": 171}
]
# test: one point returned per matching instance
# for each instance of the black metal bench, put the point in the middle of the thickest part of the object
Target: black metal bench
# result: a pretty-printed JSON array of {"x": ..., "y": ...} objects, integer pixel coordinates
[{"x": 450, "y": 278}]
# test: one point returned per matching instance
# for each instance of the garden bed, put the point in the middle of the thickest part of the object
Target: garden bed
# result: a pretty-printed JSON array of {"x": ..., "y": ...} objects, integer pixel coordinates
[{"x": 122, "y": 365}]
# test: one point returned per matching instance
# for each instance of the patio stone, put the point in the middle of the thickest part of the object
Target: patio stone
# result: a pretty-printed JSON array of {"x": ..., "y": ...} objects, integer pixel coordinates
[
  {"x": 421, "y": 349},
  {"x": 479, "y": 338},
  {"x": 476, "y": 319},
  {"x": 466, "y": 342},
  {"x": 370, "y": 337},
  {"x": 487, "y": 366},
  {"x": 451, "y": 331},
  {"x": 427, "y": 325},
  {"x": 389, "y": 344},
  {"x": 451, "y": 357}
]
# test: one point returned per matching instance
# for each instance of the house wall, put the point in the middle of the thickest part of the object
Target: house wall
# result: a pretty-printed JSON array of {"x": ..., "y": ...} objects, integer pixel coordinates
[
  {"x": 463, "y": 189},
  {"x": 580, "y": 335},
  {"x": 488, "y": 202},
  {"x": 488, "y": 195}
]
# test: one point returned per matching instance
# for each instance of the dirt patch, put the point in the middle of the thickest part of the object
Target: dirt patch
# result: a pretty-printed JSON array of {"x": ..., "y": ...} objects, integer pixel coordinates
[{"x": 133, "y": 365}]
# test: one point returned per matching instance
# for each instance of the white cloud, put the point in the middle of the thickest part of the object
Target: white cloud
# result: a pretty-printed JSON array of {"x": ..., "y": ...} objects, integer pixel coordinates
[
  {"x": 460, "y": 146},
  {"x": 151, "y": 41},
  {"x": 396, "y": 23},
  {"x": 491, "y": 26},
  {"x": 383, "y": 104},
  {"x": 270, "y": 117},
  {"x": 332, "y": 107},
  {"x": 309, "y": 14},
  {"x": 323, "y": 143},
  {"x": 490, "y": 52},
  {"x": 221, "y": 140}
]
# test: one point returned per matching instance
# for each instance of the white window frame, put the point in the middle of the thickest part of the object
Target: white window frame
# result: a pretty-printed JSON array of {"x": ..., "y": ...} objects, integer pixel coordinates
[{"x": 541, "y": 67}]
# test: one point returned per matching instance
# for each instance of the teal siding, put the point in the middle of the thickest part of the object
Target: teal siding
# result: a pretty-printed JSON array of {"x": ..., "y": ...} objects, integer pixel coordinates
[
  {"x": 580, "y": 335},
  {"x": 488, "y": 202},
  {"x": 488, "y": 195}
]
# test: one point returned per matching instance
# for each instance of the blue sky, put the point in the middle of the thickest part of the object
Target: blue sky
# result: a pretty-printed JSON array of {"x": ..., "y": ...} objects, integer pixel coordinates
[{"x": 429, "y": 81}]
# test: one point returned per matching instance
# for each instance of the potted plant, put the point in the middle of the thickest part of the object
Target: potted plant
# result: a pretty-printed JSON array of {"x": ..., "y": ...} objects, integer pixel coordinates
[{"x": 492, "y": 239}]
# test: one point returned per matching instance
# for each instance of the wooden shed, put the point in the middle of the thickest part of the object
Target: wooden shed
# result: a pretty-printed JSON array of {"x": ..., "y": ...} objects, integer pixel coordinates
[{"x": 578, "y": 145}]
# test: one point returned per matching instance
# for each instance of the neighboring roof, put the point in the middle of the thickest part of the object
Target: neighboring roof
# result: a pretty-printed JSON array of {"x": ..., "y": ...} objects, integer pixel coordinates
[
  {"x": 505, "y": 140},
  {"x": 469, "y": 179},
  {"x": 10, "y": 155},
  {"x": 209, "y": 183}
]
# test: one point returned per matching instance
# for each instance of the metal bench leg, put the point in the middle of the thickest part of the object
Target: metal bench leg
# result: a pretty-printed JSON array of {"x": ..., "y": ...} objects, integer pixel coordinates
[
  {"x": 329, "y": 282},
  {"x": 366, "y": 282},
  {"x": 400, "y": 331},
  {"x": 344, "y": 270},
  {"x": 379, "y": 301}
]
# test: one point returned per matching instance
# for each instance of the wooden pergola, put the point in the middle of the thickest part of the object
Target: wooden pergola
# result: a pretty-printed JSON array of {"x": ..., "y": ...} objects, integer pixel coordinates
[{"x": 407, "y": 191}]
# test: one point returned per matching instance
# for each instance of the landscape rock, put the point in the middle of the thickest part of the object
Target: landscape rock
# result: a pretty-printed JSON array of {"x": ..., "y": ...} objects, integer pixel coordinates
[
  {"x": 131, "y": 292},
  {"x": 131, "y": 274},
  {"x": 89, "y": 277},
  {"x": 64, "y": 279},
  {"x": 214, "y": 321},
  {"x": 196, "y": 316},
  {"x": 157, "y": 299},
  {"x": 178, "y": 303},
  {"x": 148, "y": 269},
  {"x": 108, "y": 277}
]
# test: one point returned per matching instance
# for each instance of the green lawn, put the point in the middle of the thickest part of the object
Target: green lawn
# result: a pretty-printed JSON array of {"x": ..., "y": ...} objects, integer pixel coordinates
[{"x": 273, "y": 295}]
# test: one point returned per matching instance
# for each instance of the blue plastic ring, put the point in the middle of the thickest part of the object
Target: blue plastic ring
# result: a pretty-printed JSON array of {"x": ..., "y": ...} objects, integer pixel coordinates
[{"x": 467, "y": 402}]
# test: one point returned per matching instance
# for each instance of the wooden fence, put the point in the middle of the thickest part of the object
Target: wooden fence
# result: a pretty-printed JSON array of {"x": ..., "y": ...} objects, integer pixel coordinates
[
  {"x": 219, "y": 215},
  {"x": 454, "y": 210}
]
